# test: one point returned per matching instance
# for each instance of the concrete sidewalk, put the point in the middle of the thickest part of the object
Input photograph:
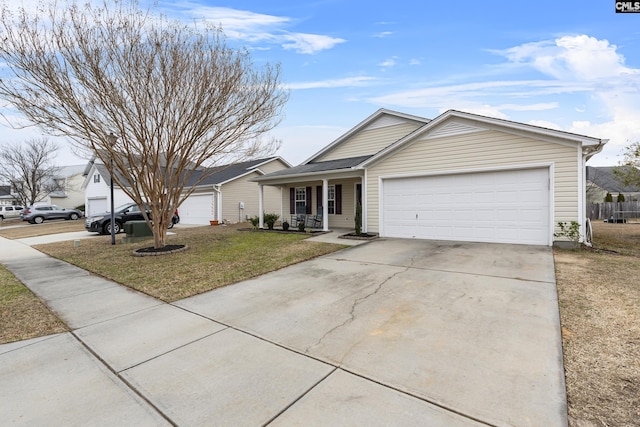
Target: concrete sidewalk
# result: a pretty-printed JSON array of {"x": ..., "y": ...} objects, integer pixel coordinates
[{"x": 389, "y": 333}]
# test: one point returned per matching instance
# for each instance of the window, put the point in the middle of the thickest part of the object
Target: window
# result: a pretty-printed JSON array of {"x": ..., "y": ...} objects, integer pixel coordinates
[
  {"x": 301, "y": 200},
  {"x": 331, "y": 200},
  {"x": 96, "y": 177}
]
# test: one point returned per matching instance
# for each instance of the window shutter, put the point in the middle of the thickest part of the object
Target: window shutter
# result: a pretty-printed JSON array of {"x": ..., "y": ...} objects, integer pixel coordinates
[
  {"x": 338, "y": 199},
  {"x": 318, "y": 198},
  {"x": 308, "y": 200},
  {"x": 292, "y": 201}
]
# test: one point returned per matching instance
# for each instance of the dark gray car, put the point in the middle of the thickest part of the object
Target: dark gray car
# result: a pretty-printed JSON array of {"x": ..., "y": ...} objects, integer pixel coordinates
[{"x": 37, "y": 214}]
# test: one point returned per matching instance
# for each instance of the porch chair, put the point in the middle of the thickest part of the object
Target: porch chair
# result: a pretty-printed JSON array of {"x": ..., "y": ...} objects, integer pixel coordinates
[
  {"x": 299, "y": 217},
  {"x": 314, "y": 221}
]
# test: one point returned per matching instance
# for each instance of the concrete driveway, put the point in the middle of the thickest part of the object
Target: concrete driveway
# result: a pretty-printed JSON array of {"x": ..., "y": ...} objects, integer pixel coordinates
[
  {"x": 393, "y": 332},
  {"x": 469, "y": 327}
]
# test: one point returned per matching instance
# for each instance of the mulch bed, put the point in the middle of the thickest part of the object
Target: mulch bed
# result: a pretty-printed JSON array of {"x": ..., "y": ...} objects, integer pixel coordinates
[
  {"x": 361, "y": 236},
  {"x": 166, "y": 250}
]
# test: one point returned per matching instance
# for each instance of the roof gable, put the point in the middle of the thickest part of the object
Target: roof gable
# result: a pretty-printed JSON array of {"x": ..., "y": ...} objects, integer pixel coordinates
[
  {"x": 372, "y": 137},
  {"x": 455, "y": 122}
]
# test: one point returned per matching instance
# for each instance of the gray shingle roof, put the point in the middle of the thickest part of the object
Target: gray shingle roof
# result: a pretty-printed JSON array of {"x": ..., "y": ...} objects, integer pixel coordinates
[
  {"x": 604, "y": 178},
  {"x": 329, "y": 165},
  {"x": 225, "y": 173}
]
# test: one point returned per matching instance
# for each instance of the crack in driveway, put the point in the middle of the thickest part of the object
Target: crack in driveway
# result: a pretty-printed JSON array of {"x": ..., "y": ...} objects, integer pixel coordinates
[{"x": 355, "y": 304}]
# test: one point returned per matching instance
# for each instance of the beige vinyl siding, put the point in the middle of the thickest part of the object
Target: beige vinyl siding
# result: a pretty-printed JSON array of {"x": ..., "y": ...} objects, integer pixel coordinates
[
  {"x": 242, "y": 190},
  {"x": 272, "y": 166},
  {"x": 369, "y": 142},
  {"x": 478, "y": 151}
]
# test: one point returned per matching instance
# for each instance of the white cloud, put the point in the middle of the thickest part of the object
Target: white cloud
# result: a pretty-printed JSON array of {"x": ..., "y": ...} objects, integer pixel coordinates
[
  {"x": 258, "y": 27},
  {"x": 571, "y": 58},
  {"x": 309, "y": 43},
  {"x": 383, "y": 34},
  {"x": 437, "y": 97},
  {"x": 390, "y": 62},
  {"x": 333, "y": 83},
  {"x": 415, "y": 62}
]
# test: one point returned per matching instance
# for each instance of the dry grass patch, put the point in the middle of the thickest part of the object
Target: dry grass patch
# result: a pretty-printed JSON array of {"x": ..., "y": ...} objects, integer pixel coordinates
[
  {"x": 33, "y": 230},
  {"x": 22, "y": 315},
  {"x": 599, "y": 293},
  {"x": 217, "y": 256}
]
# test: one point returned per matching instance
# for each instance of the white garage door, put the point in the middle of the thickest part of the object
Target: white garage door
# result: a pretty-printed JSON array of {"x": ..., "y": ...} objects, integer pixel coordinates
[
  {"x": 197, "y": 209},
  {"x": 502, "y": 207},
  {"x": 96, "y": 206}
]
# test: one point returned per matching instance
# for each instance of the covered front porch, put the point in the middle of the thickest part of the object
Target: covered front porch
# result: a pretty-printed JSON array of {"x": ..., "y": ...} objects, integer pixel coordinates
[{"x": 323, "y": 199}]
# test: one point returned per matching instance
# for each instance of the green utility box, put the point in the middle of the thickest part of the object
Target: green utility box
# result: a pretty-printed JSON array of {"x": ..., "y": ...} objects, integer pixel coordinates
[{"x": 136, "y": 231}]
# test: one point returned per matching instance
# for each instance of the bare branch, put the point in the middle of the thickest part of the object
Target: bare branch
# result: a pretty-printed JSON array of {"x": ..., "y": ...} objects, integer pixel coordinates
[
  {"x": 175, "y": 95},
  {"x": 29, "y": 169}
]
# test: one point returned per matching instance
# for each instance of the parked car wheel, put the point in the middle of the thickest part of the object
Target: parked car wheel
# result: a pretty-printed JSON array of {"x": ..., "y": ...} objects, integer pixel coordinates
[
  {"x": 170, "y": 226},
  {"x": 38, "y": 219},
  {"x": 73, "y": 216},
  {"x": 116, "y": 228}
]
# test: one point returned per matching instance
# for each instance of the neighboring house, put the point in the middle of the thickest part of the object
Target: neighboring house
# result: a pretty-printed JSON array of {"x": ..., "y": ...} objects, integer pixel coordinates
[
  {"x": 458, "y": 177},
  {"x": 69, "y": 193},
  {"x": 601, "y": 180},
  {"x": 6, "y": 198},
  {"x": 227, "y": 195}
]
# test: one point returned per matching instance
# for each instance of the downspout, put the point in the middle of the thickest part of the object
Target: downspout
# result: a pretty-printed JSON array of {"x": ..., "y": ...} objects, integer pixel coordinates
[{"x": 585, "y": 224}]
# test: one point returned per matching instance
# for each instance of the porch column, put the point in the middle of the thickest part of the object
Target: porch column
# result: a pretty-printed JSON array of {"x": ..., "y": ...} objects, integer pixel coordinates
[
  {"x": 261, "y": 205},
  {"x": 365, "y": 209},
  {"x": 219, "y": 207},
  {"x": 325, "y": 205}
]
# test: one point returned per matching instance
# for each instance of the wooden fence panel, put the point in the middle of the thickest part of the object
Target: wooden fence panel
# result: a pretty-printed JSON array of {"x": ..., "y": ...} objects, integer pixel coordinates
[{"x": 615, "y": 210}]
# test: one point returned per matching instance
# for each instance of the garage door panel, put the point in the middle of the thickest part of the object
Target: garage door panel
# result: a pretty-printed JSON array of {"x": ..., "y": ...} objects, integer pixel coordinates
[
  {"x": 197, "y": 209},
  {"x": 501, "y": 206}
]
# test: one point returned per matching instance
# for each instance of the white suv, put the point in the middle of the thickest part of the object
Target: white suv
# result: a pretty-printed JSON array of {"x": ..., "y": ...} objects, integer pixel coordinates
[{"x": 7, "y": 212}]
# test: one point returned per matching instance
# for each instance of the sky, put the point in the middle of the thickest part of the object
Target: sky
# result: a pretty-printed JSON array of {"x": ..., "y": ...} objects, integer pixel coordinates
[{"x": 570, "y": 65}]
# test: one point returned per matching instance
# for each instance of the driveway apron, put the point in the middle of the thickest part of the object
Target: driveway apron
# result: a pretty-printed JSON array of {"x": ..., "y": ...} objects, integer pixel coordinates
[
  {"x": 472, "y": 328},
  {"x": 392, "y": 332}
]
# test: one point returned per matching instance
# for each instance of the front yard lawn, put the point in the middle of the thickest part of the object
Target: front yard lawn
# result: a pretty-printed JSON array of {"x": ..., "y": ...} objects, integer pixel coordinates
[
  {"x": 22, "y": 315},
  {"x": 217, "y": 256}
]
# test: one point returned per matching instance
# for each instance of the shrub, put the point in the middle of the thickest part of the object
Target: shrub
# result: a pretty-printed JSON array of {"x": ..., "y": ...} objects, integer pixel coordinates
[
  {"x": 301, "y": 226},
  {"x": 608, "y": 198},
  {"x": 285, "y": 225},
  {"x": 358, "y": 219},
  {"x": 620, "y": 197},
  {"x": 270, "y": 219},
  {"x": 571, "y": 232},
  {"x": 255, "y": 221},
  {"x": 80, "y": 207}
]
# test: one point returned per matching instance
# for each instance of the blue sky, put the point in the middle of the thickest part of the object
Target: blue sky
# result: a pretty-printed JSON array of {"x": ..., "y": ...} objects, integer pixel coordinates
[{"x": 571, "y": 65}]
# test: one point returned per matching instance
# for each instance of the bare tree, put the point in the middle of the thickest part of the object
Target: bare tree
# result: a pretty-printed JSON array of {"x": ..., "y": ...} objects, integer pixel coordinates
[
  {"x": 175, "y": 96},
  {"x": 628, "y": 172},
  {"x": 29, "y": 169}
]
